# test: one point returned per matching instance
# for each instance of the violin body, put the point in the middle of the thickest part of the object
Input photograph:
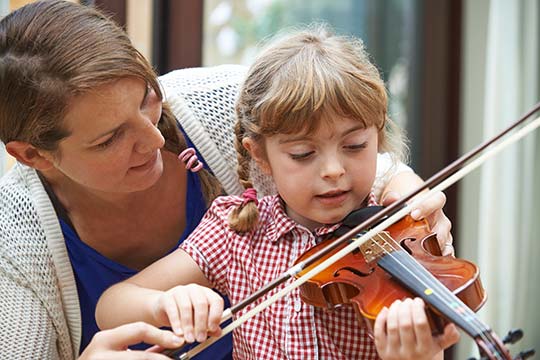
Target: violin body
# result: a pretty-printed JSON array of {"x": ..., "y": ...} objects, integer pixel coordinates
[{"x": 359, "y": 279}]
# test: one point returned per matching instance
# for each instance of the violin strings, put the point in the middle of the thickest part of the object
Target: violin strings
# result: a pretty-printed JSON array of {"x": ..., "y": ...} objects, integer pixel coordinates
[
  {"x": 384, "y": 224},
  {"x": 439, "y": 290}
]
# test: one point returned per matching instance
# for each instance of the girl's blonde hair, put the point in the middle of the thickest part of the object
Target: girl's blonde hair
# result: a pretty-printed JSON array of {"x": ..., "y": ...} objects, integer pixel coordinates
[
  {"x": 300, "y": 78},
  {"x": 53, "y": 51}
]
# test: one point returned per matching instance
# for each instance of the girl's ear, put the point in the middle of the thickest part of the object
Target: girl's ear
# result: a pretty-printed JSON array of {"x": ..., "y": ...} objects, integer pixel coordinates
[
  {"x": 29, "y": 155},
  {"x": 257, "y": 153}
]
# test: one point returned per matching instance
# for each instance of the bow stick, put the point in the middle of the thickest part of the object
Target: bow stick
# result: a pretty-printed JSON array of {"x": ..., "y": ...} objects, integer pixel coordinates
[{"x": 438, "y": 182}]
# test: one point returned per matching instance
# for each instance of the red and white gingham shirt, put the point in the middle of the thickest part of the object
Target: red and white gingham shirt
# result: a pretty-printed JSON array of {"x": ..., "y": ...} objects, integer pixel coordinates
[{"x": 240, "y": 264}]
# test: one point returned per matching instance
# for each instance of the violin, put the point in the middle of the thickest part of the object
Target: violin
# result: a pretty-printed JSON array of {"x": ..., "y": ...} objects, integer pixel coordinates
[
  {"x": 403, "y": 261},
  {"x": 404, "y": 257}
]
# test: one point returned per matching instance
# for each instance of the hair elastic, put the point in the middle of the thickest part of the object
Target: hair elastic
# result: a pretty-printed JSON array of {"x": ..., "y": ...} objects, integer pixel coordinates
[
  {"x": 250, "y": 194},
  {"x": 189, "y": 157}
]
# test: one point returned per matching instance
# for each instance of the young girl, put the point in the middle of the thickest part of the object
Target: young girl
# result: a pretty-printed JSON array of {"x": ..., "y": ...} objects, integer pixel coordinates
[{"x": 312, "y": 114}]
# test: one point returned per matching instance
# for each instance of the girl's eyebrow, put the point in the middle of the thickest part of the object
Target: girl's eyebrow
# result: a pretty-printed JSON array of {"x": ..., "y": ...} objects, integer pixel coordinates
[
  {"x": 353, "y": 129},
  {"x": 307, "y": 137}
]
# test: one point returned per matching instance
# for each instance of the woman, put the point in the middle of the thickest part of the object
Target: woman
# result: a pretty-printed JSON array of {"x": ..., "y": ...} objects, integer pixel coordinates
[{"x": 98, "y": 192}]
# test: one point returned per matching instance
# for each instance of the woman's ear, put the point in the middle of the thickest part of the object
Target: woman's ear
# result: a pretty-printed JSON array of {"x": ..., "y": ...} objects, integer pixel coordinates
[
  {"x": 29, "y": 155},
  {"x": 257, "y": 153}
]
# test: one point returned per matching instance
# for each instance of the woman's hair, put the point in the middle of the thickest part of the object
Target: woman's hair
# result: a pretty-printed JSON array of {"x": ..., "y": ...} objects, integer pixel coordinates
[
  {"x": 53, "y": 51},
  {"x": 299, "y": 79}
]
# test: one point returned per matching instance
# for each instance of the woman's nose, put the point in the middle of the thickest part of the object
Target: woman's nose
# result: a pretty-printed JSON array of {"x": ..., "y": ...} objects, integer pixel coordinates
[{"x": 150, "y": 139}]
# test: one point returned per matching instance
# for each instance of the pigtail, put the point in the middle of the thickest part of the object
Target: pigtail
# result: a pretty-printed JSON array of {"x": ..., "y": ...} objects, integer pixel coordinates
[{"x": 246, "y": 216}]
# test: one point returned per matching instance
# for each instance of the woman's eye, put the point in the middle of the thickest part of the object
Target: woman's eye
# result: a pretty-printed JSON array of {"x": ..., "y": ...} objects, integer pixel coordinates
[
  {"x": 109, "y": 141},
  {"x": 301, "y": 156},
  {"x": 147, "y": 93}
]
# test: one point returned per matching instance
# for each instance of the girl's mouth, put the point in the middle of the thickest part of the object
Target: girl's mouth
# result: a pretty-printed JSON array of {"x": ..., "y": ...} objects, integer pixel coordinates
[{"x": 332, "y": 197}]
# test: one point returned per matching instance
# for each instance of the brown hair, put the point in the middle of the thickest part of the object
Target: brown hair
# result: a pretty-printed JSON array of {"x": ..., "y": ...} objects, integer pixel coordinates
[
  {"x": 52, "y": 51},
  {"x": 295, "y": 82}
]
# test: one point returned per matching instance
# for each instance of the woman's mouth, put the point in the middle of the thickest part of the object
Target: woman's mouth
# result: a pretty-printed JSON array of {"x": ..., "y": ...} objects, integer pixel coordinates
[{"x": 147, "y": 165}]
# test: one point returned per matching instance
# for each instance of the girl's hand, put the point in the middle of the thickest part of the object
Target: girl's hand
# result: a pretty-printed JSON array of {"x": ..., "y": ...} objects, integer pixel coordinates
[
  {"x": 112, "y": 344},
  {"x": 431, "y": 210},
  {"x": 193, "y": 311},
  {"x": 403, "y": 332}
]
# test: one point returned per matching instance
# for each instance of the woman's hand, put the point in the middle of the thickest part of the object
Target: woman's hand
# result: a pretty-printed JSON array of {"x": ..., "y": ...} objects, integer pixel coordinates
[
  {"x": 403, "y": 332},
  {"x": 193, "y": 311},
  {"x": 112, "y": 344}
]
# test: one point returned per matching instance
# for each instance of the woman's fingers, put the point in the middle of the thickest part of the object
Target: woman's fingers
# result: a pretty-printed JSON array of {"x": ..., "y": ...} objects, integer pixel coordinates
[
  {"x": 113, "y": 343},
  {"x": 134, "y": 333}
]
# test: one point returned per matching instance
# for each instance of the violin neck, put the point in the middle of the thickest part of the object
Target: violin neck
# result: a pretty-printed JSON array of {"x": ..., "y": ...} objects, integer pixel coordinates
[{"x": 405, "y": 269}]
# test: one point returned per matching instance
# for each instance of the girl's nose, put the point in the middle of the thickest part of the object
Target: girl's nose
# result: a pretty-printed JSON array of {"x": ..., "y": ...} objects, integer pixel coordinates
[
  {"x": 332, "y": 167},
  {"x": 150, "y": 139}
]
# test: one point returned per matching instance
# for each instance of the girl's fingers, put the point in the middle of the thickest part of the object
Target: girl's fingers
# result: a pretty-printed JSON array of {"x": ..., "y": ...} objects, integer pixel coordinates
[
  {"x": 389, "y": 198},
  {"x": 392, "y": 326},
  {"x": 442, "y": 226},
  {"x": 421, "y": 329},
  {"x": 379, "y": 330},
  {"x": 199, "y": 299},
  {"x": 215, "y": 313},
  {"x": 171, "y": 309},
  {"x": 185, "y": 307},
  {"x": 449, "y": 337},
  {"x": 429, "y": 206},
  {"x": 406, "y": 329},
  {"x": 193, "y": 311}
]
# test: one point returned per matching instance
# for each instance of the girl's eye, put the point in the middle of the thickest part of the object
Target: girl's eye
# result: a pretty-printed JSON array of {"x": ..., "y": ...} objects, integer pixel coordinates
[
  {"x": 109, "y": 141},
  {"x": 356, "y": 146},
  {"x": 301, "y": 156}
]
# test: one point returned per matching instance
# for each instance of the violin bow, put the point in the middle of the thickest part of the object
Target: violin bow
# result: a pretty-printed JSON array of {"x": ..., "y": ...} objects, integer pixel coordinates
[{"x": 394, "y": 212}]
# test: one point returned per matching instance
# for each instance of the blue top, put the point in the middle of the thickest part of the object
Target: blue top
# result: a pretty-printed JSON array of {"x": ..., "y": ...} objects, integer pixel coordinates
[{"x": 94, "y": 273}]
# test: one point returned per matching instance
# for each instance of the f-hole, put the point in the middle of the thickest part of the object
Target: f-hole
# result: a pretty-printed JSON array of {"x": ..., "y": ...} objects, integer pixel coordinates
[{"x": 354, "y": 271}]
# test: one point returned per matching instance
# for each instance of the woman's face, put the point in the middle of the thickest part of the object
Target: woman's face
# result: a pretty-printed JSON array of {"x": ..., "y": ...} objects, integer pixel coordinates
[{"x": 114, "y": 145}]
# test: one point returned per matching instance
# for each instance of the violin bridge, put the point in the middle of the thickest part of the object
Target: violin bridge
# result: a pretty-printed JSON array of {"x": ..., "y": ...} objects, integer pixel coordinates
[{"x": 379, "y": 245}]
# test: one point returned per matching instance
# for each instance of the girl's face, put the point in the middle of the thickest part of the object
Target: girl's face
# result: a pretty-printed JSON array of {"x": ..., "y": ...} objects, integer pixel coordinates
[
  {"x": 114, "y": 144},
  {"x": 323, "y": 176}
]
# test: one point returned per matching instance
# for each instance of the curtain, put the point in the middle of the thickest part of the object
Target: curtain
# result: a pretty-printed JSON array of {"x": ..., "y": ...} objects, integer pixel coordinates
[{"x": 501, "y": 231}]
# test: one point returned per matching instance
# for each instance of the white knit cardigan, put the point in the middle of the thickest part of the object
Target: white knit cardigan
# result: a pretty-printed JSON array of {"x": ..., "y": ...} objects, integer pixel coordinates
[{"x": 39, "y": 305}]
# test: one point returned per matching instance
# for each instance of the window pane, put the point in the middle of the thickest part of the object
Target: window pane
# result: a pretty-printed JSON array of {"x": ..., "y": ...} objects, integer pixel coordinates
[{"x": 388, "y": 28}]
